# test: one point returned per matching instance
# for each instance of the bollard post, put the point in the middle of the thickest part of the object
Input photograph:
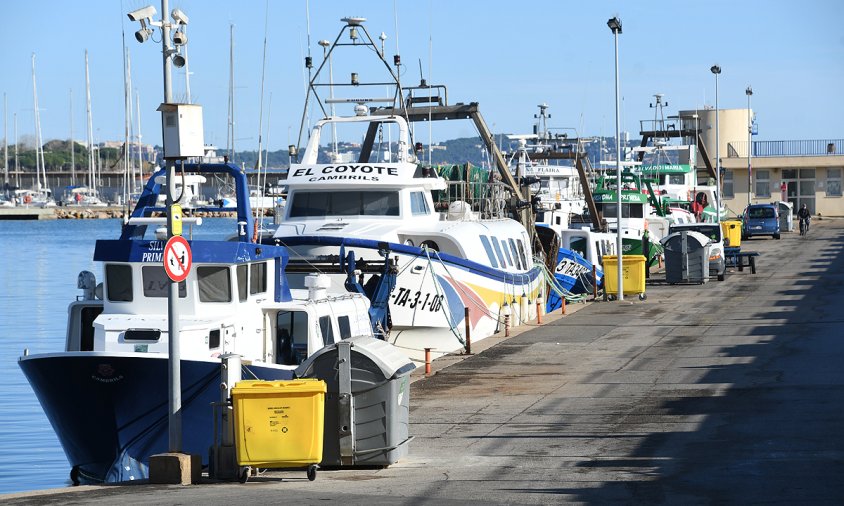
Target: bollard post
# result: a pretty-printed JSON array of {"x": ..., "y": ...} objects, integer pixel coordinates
[
  {"x": 468, "y": 332},
  {"x": 538, "y": 313},
  {"x": 594, "y": 282},
  {"x": 506, "y": 325},
  {"x": 427, "y": 361},
  {"x": 564, "y": 306}
]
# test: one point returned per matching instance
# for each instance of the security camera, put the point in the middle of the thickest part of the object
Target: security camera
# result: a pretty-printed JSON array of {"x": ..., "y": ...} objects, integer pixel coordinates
[
  {"x": 180, "y": 38},
  {"x": 179, "y": 17},
  {"x": 178, "y": 61},
  {"x": 144, "y": 13},
  {"x": 143, "y": 34}
]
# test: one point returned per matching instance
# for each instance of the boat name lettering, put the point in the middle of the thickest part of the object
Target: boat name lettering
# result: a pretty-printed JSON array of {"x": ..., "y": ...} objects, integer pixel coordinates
[
  {"x": 106, "y": 380},
  {"x": 152, "y": 257},
  {"x": 156, "y": 246},
  {"x": 570, "y": 268},
  {"x": 413, "y": 299},
  {"x": 340, "y": 169}
]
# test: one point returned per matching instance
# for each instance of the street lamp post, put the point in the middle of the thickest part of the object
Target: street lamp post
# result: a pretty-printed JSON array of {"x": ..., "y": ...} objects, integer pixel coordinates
[
  {"x": 749, "y": 92},
  {"x": 716, "y": 69},
  {"x": 615, "y": 26}
]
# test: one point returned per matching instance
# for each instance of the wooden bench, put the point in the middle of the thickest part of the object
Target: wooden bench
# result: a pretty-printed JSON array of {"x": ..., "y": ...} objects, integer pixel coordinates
[{"x": 734, "y": 257}]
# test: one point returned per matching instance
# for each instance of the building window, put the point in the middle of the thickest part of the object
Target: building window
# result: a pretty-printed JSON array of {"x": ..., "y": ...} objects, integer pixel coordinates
[
  {"x": 727, "y": 183},
  {"x": 833, "y": 182},
  {"x": 763, "y": 183}
]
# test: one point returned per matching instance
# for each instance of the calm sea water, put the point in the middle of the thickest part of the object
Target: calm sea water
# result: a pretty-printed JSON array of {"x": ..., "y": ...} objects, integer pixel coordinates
[{"x": 39, "y": 263}]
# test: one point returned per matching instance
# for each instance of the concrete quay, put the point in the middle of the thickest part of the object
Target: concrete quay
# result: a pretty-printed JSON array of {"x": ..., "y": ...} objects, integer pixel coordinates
[{"x": 727, "y": 392}]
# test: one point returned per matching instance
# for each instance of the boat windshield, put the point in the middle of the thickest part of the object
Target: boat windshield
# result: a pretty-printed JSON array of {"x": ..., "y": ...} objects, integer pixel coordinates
[
  {"x": 627, "y": 210},
  {"x": 309, "y": 204}
]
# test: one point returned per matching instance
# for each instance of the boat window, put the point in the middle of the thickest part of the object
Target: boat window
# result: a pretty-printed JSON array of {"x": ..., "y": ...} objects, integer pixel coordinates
[
  {"x": 515, "y": 253},
  {"x": 291, "y": 337},
  {"x": 242, "y": 271},
  {"x": 507, "y": 252},
  {"x": 522, "y": 254},
  {"x": 627, "y": 210},
  {"x": 345, "y": 328},
  {"x": 498, "y": 252},
  {"x": 345, "y": 203},
  {"x": 214, "y": 339},
  {"x": 489, "y": 253},
  {"x": 578, "y": 245},
  {"x": 418, "y": 204},
  {"x": 157, "y": 284},
  {"x": 326, "y": 329},
  {"x": 258, "y": 278},
  {"x": 119, "y": 282},
  {"x": 676, "y": 179},
  {"x": 214, "y": 284}
]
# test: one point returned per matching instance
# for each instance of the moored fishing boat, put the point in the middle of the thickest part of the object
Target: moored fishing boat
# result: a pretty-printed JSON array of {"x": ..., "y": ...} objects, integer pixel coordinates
[
  {"x": 106, "y": 393},
  {"x": 462, "y": 261}
]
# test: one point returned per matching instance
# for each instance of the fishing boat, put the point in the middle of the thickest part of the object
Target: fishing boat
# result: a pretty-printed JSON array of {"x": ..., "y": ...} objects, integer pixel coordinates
[
  {"x": 106, "y": 392},
  {"x": 461, "y": 266}
]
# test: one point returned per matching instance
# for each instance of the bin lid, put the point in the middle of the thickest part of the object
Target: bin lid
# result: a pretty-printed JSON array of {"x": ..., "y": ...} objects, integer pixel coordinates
[
  {"x": 675, "y": 237},
  {"x": 389, "y": 359}
]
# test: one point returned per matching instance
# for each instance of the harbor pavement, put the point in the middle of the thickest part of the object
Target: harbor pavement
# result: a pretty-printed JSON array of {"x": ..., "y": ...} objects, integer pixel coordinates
[{"x": 726, "y": 392}]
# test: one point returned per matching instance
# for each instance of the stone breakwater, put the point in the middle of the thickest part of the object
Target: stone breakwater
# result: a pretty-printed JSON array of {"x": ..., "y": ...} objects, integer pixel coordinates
[{"x": 106, "y": 213}]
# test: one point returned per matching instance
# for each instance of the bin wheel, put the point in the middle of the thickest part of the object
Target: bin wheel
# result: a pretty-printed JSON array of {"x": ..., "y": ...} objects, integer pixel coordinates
[
  {"x": 74, "y": 475},
  {"x": 721, "y": 277},
  {"x": 312, "y": 472},
  {"x": 611, "y": 297},
  {"x": 243, "y": 477},
  {"x": 642, "y": 296}
]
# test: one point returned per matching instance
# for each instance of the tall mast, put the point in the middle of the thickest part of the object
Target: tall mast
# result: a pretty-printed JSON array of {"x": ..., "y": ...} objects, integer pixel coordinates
[
  {"x": 72, "y": 145},
  {"x": 140, "y": 174},
  {"x": 230, "y": 135},
  {"x": 91, "y": 182},
  {"x": 5, "y": 145},
  {"x": 39, "y": 152},
  {"x": 17, "y": 172},
  {"x": 127, "y": 121}
]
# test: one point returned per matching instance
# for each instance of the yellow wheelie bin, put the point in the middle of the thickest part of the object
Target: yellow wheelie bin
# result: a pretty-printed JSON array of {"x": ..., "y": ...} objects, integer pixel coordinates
[
  {"x": 632, "y": 272},
  {"x": 731, "y": 230},
  {"x": 278, "y": 424}
]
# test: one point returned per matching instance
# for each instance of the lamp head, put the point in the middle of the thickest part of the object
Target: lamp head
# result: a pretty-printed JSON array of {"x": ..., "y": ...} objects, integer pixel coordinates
[
  {"x": 615, "y": 24},
  {"x": 748, "y": 91},
  {"x": 715, "y": 69},
  {"x": 324, "y": 43}
]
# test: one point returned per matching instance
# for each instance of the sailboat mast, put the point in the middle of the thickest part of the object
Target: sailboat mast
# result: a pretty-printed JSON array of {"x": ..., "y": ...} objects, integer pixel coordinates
[
  {"x": 5, "y": 145},
  {"x": 39, "y": 160},
  {"x": 72, "y": 145},
  {"x": 91, "y": 182},
  {"x": 127, "y": 121},
  {"x": 140, "y": 174},
  {"x": 230, "y": 134},
  {"x": 17, "y": 172}
]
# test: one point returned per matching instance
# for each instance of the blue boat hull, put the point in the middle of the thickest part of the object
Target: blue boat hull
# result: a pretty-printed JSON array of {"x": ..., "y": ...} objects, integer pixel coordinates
[
  {"x": 110, "y": 412},
  {"x": 572, "y": 274}
]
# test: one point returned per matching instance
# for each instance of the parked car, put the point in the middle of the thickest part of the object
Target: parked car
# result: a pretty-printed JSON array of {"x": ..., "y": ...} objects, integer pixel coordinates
[
  {"x": 760, "y": 219},
  {"x": 717, "y": 262}
]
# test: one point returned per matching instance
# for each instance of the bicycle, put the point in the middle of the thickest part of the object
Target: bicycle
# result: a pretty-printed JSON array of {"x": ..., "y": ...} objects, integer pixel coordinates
[{"x": 804, "y": 226}]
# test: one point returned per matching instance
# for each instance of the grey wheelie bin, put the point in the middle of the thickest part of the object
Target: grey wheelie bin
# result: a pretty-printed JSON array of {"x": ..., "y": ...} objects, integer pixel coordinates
[
  {"x": 686, "y": 257},
  {"x": 367, "y": 404}
]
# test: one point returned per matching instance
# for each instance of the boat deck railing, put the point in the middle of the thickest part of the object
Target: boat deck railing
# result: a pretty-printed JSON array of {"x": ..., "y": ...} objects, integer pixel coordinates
[{"x": 489, "y": 200}]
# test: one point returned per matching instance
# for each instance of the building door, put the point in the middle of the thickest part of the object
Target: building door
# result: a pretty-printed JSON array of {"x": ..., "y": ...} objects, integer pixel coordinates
[{"x": 801, "y": 187}]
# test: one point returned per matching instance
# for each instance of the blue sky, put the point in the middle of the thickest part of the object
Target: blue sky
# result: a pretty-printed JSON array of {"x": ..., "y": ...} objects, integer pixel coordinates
[{"x": 509, "y": 57}]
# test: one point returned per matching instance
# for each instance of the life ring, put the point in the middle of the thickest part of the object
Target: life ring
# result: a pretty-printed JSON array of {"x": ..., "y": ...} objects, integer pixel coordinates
[{"x": 27, "y": 199}]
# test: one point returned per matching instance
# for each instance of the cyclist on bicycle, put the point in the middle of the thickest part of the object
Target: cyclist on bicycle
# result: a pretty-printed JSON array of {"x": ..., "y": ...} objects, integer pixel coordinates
[{"x": 803, "y": 215}]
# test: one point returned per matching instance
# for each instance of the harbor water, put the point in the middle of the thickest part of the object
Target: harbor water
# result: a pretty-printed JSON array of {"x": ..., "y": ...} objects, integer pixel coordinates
[{"x": 40, "y": 264}]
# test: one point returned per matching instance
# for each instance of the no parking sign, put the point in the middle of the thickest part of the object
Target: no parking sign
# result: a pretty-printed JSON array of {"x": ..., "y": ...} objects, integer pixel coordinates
[{"x": 177, "y": 258}]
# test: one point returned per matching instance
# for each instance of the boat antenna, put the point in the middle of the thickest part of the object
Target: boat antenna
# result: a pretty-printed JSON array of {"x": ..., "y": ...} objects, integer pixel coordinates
[
  {"x": 258, "y": 208},
  {"x": 230, "y": 134}
]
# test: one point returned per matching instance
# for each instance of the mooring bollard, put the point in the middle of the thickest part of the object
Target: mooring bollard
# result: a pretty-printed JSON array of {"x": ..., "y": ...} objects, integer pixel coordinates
[
  {"x": 506, "y": 325},
  {"x": 563, "y": 308},
  {"x": 427, "y": 361},
  {"x": 468, "y": 332},
  {"x": 538, "y": 313}
]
